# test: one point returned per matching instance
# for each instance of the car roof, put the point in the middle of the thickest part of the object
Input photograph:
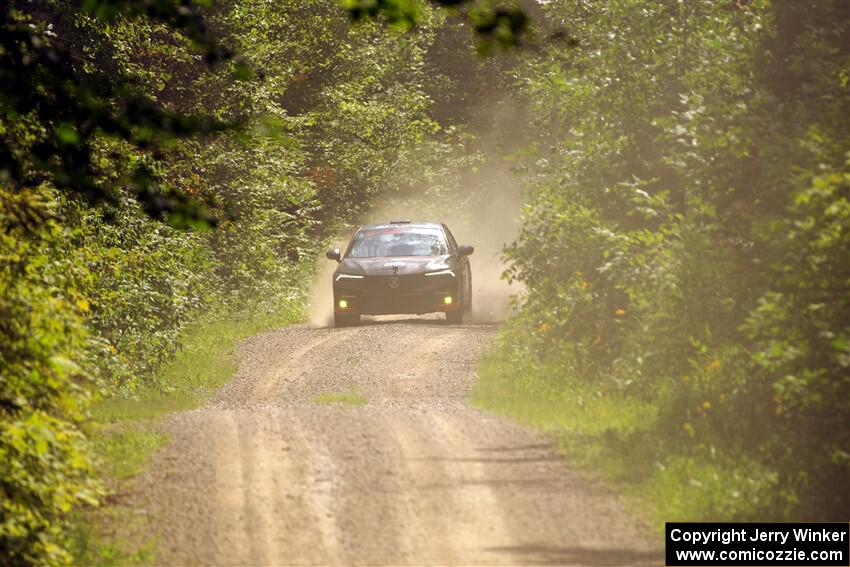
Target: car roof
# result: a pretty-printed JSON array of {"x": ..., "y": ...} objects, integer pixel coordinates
[{"x": 405, "y": 224}]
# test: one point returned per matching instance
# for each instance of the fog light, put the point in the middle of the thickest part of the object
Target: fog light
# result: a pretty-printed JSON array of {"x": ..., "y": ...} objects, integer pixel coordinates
[
  {"x": 447, "y": 300},
  {"x": 343, "y": 304}
]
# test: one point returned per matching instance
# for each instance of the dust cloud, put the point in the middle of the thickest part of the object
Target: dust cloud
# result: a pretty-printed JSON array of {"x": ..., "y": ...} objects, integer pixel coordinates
[
  {"x": 320, "y": 308},
  {"x": 487, "y": 220},
  {"x": 481, "y": 205},
  {"x": 492, "y": 225}
]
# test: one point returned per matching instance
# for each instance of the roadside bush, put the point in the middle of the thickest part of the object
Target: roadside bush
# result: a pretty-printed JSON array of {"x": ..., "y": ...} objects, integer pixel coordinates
[
  {"x": 685, "y": 237},
  {"x": 112, "y": 136},
  {"x": 45, "y": 388},
  {"x": 145, "y": 281}
]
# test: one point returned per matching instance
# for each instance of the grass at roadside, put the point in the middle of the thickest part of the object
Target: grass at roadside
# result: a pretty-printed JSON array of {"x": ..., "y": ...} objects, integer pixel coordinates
[
  {"x": 350, "y": 398},
  {"x": 619, "y": 439},
  {"x": 205, "y": 361},
  {"x": 124, "y": 434},
  {"x": 577, "y": 409},
  {"x": 100, "y": 536}
]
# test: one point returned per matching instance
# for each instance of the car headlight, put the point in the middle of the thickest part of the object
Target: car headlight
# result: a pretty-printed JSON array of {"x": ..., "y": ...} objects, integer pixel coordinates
[
  {"x": 347, "y": 277},
  {"x": 442, "y": 273}
]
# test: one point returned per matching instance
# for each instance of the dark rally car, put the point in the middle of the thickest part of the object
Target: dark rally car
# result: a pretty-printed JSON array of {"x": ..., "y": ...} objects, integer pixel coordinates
[{"x": 401, "y": 267}]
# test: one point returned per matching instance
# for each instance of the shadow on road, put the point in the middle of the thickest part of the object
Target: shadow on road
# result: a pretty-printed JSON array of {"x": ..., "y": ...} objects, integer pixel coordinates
[
  {"x": 542, "y": 446},
  {"x": 535, "y": 554},
  {"x": 534, "y": 459},
  {"x": 424, "y": 321}
]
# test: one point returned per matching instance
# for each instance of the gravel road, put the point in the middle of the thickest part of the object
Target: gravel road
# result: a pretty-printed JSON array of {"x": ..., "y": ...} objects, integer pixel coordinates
[{"x": 264, "y": 475}]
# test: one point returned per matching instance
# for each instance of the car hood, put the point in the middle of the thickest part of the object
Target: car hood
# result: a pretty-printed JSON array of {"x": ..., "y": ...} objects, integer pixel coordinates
[{"x": 388, "y": 266}]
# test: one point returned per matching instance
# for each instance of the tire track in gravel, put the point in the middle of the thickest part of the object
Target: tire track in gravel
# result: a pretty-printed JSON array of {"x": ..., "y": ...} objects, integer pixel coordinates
[
  {"x": 264, "y": 476},
  {"x": 230, "y": 487}
]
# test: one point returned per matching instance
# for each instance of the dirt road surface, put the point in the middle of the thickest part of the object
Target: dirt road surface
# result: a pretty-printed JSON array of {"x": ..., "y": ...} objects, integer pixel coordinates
[{"x": 264, "y": 475}]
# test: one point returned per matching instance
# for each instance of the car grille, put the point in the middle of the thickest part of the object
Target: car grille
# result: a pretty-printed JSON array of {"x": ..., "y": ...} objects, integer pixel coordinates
[{"x": 397, "y": 284}]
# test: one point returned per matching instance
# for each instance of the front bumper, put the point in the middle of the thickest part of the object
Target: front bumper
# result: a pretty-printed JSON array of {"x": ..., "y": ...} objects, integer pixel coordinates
[{"x": 387, "y": 295}]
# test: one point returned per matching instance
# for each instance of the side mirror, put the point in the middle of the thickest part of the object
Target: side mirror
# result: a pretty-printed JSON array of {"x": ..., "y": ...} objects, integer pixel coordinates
[
  {"x": 465, "y": 250},
  {"x": 334, "y": 254}
]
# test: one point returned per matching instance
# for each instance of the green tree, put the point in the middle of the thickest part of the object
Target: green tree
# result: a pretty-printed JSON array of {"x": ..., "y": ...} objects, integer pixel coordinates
[{"x": 681, "y": 240}]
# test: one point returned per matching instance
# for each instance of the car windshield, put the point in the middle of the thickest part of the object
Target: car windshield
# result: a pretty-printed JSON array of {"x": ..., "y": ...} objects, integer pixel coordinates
[{"x": 398, "y": 242}]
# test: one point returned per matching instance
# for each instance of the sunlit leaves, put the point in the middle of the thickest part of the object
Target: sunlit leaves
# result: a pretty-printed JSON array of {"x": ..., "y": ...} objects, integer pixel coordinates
[
  {"x": 694, "y": 174},
  {"x": 54, "y": 112},
  {"x": 44, "y": 465},
  {"x": 402, "y": 14},
  {"x": 183, "y": 15},
  {"x": 502, "y": 25}
]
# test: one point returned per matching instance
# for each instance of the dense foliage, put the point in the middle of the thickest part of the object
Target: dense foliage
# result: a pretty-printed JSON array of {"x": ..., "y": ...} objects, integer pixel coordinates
[
  {"x": 684, "y": 242},
  {"x": 273, "y": 121},
  {"x": 494, "y": 23},
  {"x": 686, "y": 237}
]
